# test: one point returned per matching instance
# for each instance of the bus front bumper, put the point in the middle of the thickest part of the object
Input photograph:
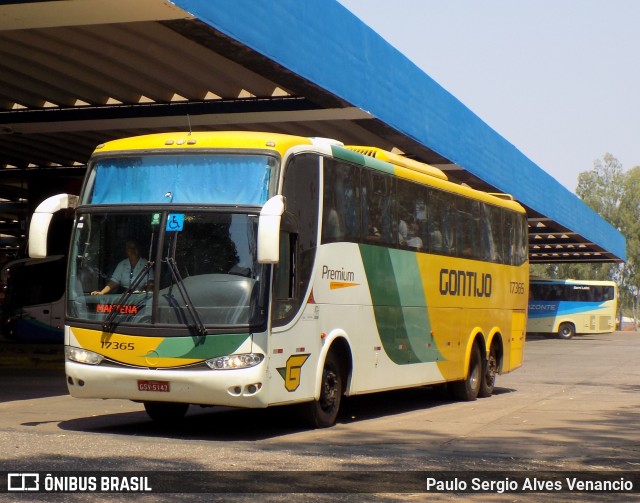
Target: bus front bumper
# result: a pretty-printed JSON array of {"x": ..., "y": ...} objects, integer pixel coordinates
[{"x": 232, "y": 388}]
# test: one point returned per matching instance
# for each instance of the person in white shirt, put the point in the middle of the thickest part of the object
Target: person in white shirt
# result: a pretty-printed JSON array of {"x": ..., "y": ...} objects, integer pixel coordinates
[{"x": 127, "y": 270}]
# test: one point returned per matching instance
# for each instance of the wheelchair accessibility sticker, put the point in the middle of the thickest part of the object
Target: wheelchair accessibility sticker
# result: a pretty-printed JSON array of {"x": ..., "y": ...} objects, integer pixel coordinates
[{"x": 175, "y": 222}]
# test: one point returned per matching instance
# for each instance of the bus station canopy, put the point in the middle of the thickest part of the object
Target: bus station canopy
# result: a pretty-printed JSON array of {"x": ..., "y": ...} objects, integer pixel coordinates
[{"x": 77, "y": 73}]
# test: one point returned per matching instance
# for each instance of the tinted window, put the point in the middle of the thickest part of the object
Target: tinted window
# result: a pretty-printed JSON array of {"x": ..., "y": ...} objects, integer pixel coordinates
[
  {"x": 364, "y": 205},
  {"x": 298, "y": 236}
]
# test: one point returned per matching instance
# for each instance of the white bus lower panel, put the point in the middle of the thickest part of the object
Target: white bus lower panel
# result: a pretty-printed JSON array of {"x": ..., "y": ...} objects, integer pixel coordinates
[{"x": 232, "y": 388}]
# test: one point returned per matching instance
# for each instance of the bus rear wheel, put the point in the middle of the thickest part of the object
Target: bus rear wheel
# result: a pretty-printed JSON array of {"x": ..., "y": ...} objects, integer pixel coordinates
[
  {"x": 566, "y": 331},
  {"x": 166, "y": 413},
  {"x": 323, "y": 412},
  {"x": 489, "y": 374},
  {"x": 468, "y": 389}
]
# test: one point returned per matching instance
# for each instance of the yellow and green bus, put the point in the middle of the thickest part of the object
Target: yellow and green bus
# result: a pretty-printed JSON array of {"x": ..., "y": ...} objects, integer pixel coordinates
[{"x": 251, "y": 269}]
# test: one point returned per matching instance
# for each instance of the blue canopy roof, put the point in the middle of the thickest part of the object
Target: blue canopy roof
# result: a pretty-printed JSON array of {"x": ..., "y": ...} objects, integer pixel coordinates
[{"x": 321, "y": 41}]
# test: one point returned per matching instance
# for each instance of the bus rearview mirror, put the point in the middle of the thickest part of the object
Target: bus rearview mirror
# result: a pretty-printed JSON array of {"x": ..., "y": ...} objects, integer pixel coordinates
[
  {"x": 269, "y": 230},
  {"x": 39, "y": 226}
]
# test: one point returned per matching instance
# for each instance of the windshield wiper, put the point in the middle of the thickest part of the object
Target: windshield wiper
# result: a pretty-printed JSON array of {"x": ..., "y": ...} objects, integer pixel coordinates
[
  {"x": 109, "y": 324},
  {"x": 179, "y": 282}
]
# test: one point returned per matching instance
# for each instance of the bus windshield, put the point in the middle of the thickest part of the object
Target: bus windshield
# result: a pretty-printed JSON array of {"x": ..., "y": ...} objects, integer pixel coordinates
[
  {"x": 193, "y": 269},
  {"x": 239, "y": 179}
]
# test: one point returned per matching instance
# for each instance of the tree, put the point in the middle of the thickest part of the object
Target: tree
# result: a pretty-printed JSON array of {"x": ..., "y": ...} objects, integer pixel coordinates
[
  {"x": 629, "y": 225},
  {"x": 602, "y": 188}
]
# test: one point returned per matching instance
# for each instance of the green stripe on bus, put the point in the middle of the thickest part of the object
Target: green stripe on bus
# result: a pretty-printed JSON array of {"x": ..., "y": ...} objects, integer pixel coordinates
[
  {"x": 363, "y": 160},
  {"x": 196, "y": 348},
  {"x": 414, "y": 311},
  {"x": 399, "y": 305}
]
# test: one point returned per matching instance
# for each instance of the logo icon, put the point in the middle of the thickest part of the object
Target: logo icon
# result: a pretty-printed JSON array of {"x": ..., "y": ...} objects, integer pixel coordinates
[
  {"x": 291, "y": 373},
  {"x": 23, "y": 481}
]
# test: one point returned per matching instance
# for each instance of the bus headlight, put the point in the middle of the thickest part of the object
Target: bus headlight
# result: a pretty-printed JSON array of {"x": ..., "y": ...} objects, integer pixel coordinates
[
  {"x": 235, "y": 361},
  {"x": 82, "y": 356}
]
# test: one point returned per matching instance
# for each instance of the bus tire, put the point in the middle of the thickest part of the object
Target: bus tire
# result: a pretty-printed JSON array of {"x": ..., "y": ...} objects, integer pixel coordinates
[
  {"x": 489, "y": 374},
  {"x": 467, "y": 389},
  {"x": 322, "y": 413},
  {"x": 165, "y": 412},
  {"x": 566, "y": 331}
]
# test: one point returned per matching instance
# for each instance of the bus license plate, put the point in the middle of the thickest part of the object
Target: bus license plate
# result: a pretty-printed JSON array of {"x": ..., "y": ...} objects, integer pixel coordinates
[{"x": 153, "y": 386}]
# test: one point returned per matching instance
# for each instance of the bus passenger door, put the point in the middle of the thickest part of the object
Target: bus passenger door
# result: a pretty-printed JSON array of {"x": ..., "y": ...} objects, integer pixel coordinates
[
  {"x": 518, "y": 333},
  {"x": 292, "y": 357},
  {"x": 295, "y": 342}
]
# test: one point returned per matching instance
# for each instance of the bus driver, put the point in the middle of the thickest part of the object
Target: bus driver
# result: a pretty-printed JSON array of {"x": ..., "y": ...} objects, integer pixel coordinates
[{"x": 127, "y": 270}]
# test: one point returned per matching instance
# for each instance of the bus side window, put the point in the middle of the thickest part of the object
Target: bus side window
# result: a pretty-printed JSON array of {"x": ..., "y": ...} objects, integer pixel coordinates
[
  {"x": 341, "y": 201},
  {"x": 493, "y": 216},
  {"x": 298, "y": 236},
  {"x": 448, "y": 223},
  {"x": 464, "y": 228},
  {"x": 380, "y": 208},
  {"x": 332, "y": 221},
  {"x": 284, "y": 278},
  {"x": 522, "y": 239},
  {"x": 412, "y": 215},
  {"x": 435, "y": 222},
  {"x": 515, "y": 239}
]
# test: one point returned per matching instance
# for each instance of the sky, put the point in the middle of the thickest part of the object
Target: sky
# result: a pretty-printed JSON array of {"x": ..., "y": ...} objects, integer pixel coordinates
[{"x": 559, "y": 79}]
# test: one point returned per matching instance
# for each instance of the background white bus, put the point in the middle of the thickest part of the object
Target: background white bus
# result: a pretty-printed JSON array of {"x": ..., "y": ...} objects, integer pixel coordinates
[
  {"x": 569, "y": 307},
  {"x": 32, "y": 299}
]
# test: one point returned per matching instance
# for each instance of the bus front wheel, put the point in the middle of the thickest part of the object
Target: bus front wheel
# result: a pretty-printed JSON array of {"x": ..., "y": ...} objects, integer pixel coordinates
[
  {"x": 166, "y": 413},
  {"x": 566, "y": 331},
  {"x": 323, "y": 412},
  {"x": 468, "y": 389}
]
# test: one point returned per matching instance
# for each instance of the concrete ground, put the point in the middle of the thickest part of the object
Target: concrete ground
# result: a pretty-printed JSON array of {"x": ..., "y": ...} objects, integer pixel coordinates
[{"x": 574, "y": 405}]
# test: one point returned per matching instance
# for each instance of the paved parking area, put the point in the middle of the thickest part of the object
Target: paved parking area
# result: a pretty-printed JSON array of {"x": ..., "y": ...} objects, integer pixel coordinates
[{"x": 574, "y": 405}]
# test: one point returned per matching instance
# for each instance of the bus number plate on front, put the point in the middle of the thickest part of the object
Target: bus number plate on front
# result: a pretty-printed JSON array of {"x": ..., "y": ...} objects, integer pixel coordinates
[{"x": 153, "y": 386}]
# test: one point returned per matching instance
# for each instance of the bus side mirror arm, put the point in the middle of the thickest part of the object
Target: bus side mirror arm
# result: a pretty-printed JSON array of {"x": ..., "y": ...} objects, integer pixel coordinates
[
  {"x": 39, "y": 226},
  {"x": 269, "y": 230}
]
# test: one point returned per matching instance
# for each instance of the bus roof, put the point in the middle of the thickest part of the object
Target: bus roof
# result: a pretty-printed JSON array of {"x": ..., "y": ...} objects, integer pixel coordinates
[{"x": 206, "y": 139}]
